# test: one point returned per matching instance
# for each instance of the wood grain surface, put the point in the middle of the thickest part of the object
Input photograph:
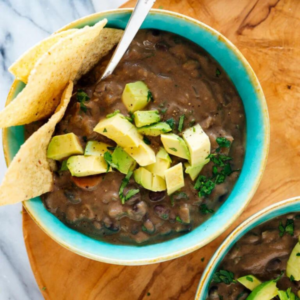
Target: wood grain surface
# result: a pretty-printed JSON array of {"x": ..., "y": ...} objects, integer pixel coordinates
[{"x": 267, "y": 33}]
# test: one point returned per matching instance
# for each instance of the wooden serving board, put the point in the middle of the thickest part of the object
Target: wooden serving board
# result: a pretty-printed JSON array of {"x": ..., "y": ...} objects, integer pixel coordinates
[{"x": 267, "y": 33}]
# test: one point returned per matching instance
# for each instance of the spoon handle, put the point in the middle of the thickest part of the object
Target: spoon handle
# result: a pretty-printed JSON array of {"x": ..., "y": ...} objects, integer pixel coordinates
[{"x": 137, "y": 18}]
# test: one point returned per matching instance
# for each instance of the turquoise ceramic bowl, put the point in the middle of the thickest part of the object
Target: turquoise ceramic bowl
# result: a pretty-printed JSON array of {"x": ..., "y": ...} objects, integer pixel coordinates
[
  {"x": 270, "y": 212},
  {"x": 257, "y": 145}
]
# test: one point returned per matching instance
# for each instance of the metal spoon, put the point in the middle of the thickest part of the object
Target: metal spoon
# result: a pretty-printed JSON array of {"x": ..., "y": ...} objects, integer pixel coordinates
[{"x": 137, "y": 18}]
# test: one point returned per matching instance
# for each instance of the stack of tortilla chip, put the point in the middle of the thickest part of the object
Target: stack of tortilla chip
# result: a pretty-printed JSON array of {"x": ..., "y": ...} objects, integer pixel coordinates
[{"x": 49, "y": 70}]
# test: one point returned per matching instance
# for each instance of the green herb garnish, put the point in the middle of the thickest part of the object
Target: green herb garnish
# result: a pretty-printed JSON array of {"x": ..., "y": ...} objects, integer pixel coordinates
[
  {"x": 146, "y": 140},
  {"x": 174, "y": 149},
  {"x": 180, "y": 124},
  {"x": 82, "y": 97},
  {"x": 202, "y": 259},
  {"x": 292, "y": 278},
  {"x": 224, "y": 276},
  {"x": 288, "y": 228},
  {"x": 205, "y": 210},
  {"x": 113, "y": 114},
  {"x": 104, "y": 130},
  {"x": 223, "y": 143},
  {"x": 171, "y": 122},
  {"x": 111, "y": 148},
  {"x": 130, "y": 193},
  {"x": 163, "y": 110},
  {"x": 64, "y": 166},
  {"x": 249, "y": 278},
  {"x": 178, "y": 219},
  {"x": 204, "y": 186},
  {"x": 150, "y": 96},
  {"x": 108, "y": 158},
  {"x": 298, "y": 254},
  {"x": 218, "y": 72}
]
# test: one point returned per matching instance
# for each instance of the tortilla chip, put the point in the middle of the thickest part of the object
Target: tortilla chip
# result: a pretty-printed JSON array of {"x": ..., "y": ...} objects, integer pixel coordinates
[
  {"x": 24, "y": 65},
  {"x": 66, "y": 61},
  {"x": 29, "y": 173}
]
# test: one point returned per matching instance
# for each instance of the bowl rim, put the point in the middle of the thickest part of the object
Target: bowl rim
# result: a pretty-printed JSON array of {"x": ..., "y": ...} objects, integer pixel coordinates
[
  {"x": 237, "y": 234},
  {"x": 265, "y": 143}
]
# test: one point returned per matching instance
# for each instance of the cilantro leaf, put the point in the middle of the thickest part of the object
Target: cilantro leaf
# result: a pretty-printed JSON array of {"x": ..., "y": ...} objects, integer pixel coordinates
[
  {"x": 130, "y": 193},
  {"x": 64, "y": 166},
  {"x": 204, "y": 185},
  {"x": 82, "y": 97},
  {"x": 223, "y": 143},
  {"x": 181, "y": 121},
  {"x": 224, "y": 276},
  {"x": 178, "y": 219},
  {"x": 108, "y": 158},
  {"x": 150, "y": 96},
  {"x": 146, "y": 140},
  {"x": 287, "y": 228},
  {"x": 218, "y": 72},
  {"x": 171, "y": 122},
  {"x": 205, "y": 210},
  {"x": 113, "y": 114}
]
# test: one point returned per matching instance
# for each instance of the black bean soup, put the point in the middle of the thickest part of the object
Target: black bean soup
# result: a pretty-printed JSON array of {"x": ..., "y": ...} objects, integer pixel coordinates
[
  {"x": 263, "y": 252},
  {"x": 184, "y": 80}
]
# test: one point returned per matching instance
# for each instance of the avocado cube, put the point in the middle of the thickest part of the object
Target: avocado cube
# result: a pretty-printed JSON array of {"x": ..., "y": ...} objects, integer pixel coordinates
[
  {"x": 249, "y": 281},
  {"x": 96, "y": 148},
  {"x": 174, "y": 178},
  {"x": 81, "y": 166},
  {"x": 198, "y": 143},
  {"x": 158, "y": 183},
  {"x": 143, "y": 154},
  {"x": 193, "y": 171},
  {"x": 156, "y": 129},
  {"x": 136, "y": 96},
  {"x": 265, "y": 291},
  {"x": 122, "y": 160},
  {"x": 161, "y": 164},
  {"x": 143, "y": 177},
  {"x": 163, "y": 154},
  {"x": 144, "y": 118},
  {"x": 293, "y": 263},
  {"x": 120, "y": 130},
  {"x": 175, "y": 145},
  {"x": 62, "y": 146}
]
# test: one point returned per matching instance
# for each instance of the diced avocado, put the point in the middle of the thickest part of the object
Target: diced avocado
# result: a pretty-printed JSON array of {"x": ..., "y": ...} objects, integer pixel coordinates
[
  {"x": 163, "y": 154},
  {"x": 249, "y": 281},
  {"x": 144, "y": 118},
  {"x": 62, "y": 146},
  {"x": 143, "y": 177},
  {"x": 120, "y": 130},
  {"x": 175, "y": 145},
  {"x": 156, "y": 129},
  {"x": 96, "y": 148},
  {"x": 174, "y": 178},
  {"x": 149, "y": 181},
  {"x": 122, "y": 160},
  {"x": 143, "y": 154},
  {"x": 160, "y": 166},
  {"x": 193, "y": 171},
  {"x": 81, "y": 166},
  {"x": 158, "y": 184},
  {"x": 198, "y": 143},
  {"x": 136, "y": 96},
  {"x": 265, "y": 291},
  {"x": 287, "y": 295},
  {"x": 293, "y": 263}
]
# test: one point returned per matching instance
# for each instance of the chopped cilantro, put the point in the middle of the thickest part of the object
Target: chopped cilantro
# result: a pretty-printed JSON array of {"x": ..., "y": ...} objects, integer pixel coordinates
[
  {"x": 163, "y": 110},
  {"x": 174, "y": 149},
  {"x": 204, "y": 186},
  {"x": 104, "y": 130},
  {"x": 178, "y": 219},
  {"x": 108, "y": 158},
  {"x": 202, "y": 259},
  {"x": 298, "y": 254},
  {"x": 288, "y": 228},
  {"x": 113, "y": 114},
  {"x": 148, "y": 294},
  {"x": 84, "y": 139},
  {"x": 146, "y": 140},
  {"x": 181, "y": 121},
  {"x": 218, "y": 72},
  {"x": 223, "y": 143},
  {"x": 171, "y": 122},
  {"x": 205, "y": 210},
  {"x": 292, "y": 278},
  {"x": 111, "y": 148},
  {"x": 224, "y": 276},
  {"x": 130, "y": 193},
  {"x": 249, "y": 278},
  {"x": 131, "y": 117},
  {"x": 82, "y": 97},
  {"x": 150, "y": 96}
]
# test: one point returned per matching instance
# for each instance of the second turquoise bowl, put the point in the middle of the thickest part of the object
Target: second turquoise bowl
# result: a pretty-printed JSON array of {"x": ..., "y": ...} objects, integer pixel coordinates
[{"x": 257, "y": 145}]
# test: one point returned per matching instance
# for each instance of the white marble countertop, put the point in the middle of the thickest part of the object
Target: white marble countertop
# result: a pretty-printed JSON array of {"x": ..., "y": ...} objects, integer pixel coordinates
[{"x": 23, "y": 24}]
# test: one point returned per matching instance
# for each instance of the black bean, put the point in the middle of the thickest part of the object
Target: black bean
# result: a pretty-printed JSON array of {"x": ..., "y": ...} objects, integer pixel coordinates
[
  {"x": 162, "y": 212},
  {"x": 157, "y": 196},
  {"x": 155, "y": 32},
  {"x": 273, "y": 265}
]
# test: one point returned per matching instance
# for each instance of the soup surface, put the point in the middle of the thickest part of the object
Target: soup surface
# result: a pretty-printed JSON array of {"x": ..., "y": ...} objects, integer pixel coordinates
[
  {"x": 263, "y": 252},
  {"x": 184, "y": 80}
]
